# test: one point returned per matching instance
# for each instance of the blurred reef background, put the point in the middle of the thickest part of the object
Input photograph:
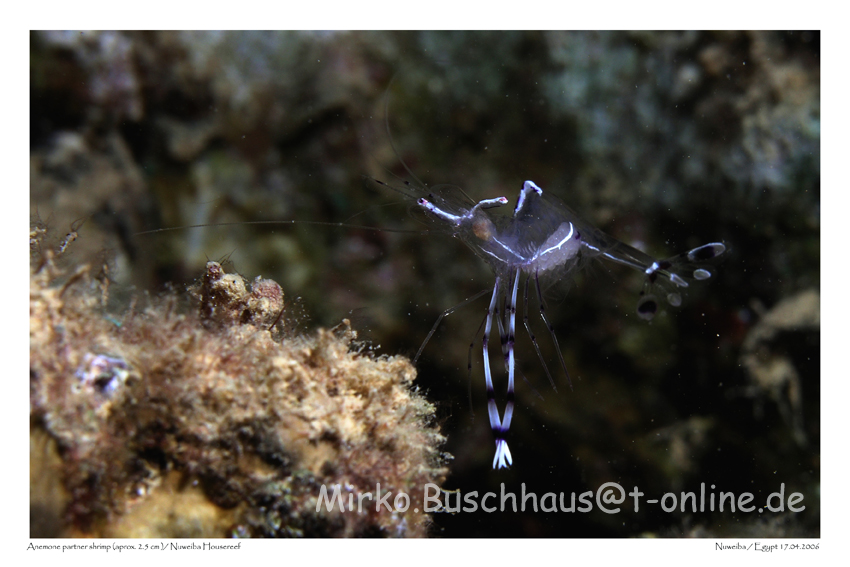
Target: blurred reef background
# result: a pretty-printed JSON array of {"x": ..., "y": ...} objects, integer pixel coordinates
[{"x": 665, "y": 140}]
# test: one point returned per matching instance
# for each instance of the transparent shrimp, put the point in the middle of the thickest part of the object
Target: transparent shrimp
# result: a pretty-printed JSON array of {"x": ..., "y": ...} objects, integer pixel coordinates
[{"x": 543, "y": 240}]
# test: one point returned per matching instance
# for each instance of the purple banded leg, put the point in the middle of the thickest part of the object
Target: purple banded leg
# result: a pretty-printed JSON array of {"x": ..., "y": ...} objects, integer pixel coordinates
[
  {"x": 503, "y": 335},
  {"x": 501, "y": 427},
  {"x": 509, "y": 407},
  {"x": 503, "y": 454}
]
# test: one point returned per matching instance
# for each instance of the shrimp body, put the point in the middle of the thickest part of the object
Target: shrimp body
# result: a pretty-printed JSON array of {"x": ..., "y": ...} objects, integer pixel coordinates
[{"x": 544, "y": 238}]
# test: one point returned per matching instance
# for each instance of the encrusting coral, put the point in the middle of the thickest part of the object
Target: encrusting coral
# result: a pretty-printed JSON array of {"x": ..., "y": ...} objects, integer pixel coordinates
[{"x": 171, "y": 424}]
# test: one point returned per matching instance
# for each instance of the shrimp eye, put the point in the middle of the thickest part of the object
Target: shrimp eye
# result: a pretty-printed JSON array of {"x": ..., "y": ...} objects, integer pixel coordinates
[{"x": 647, "y": 307}]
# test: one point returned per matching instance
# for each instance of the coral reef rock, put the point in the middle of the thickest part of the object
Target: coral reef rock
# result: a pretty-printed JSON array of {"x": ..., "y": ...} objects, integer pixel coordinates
[{"x": 172, "y": 424}]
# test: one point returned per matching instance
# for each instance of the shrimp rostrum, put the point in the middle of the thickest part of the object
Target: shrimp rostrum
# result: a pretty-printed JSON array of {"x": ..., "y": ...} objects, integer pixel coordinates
[{"x": 544, "y": 240}]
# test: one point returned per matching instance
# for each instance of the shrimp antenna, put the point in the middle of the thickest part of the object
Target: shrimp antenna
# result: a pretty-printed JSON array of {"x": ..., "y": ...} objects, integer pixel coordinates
[
  {"x": 282, "y": 222},
  {"x": 390, "y": 134},
  {"x": 422, "y": 185}
]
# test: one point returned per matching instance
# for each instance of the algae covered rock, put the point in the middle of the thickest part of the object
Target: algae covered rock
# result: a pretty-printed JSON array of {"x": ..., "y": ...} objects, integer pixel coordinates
[{"x": 171, "y": 424}]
